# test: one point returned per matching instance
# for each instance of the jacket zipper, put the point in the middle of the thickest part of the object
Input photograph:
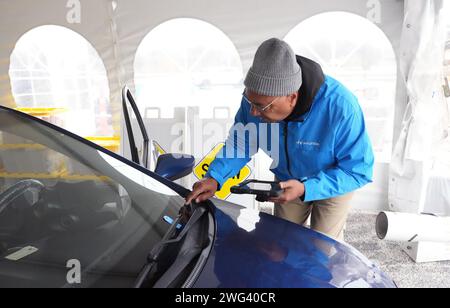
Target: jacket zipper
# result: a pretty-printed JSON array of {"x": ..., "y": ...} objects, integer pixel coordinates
[{"x": 286, "y": 148}]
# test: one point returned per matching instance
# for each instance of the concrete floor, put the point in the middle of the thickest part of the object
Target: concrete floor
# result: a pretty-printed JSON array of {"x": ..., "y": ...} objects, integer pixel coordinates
[{"x": 360, "y": 233}]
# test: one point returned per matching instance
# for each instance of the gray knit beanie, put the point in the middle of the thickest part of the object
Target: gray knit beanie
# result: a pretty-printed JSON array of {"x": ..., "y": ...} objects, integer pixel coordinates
[{"x": 275, "y": 71}]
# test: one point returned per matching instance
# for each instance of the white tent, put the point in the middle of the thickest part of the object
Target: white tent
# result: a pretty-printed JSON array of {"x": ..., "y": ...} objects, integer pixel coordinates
[{"x": 389, "y": 52}]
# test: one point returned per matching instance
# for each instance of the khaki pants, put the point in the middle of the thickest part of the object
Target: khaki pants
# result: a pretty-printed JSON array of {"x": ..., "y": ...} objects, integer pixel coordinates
[{"x": 327, "y": 216}]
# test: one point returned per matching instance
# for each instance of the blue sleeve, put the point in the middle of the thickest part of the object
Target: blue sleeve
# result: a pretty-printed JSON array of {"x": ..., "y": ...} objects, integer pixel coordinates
[
  {"x": 354, "y": 161},
  {"x": 238, "y": 150}
]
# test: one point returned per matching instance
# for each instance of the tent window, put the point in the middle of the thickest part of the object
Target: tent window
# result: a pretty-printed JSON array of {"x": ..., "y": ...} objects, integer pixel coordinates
[
  {"x": 357, "y": 53},
  {"x": 447, "y": 71},
  {"x": 187, "y": 62},
  {"x": 442, "y": 158},
  {"x": 54, "y": 67}
]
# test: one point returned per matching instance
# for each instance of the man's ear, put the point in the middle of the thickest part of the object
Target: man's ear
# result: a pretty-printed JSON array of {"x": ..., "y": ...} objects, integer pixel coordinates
[{"x": 293, "y": 99}]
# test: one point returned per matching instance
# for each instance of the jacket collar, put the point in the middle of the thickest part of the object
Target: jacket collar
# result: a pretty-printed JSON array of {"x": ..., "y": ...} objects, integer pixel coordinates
[{"x": 313, "y": 78}]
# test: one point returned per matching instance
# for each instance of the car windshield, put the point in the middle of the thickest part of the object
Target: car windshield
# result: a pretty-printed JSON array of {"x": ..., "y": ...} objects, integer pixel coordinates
[{"x": 71, "y": 214}]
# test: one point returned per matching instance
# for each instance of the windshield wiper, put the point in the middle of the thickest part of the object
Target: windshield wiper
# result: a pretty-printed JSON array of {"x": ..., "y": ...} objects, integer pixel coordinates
[{"x": 154, "y": 257}]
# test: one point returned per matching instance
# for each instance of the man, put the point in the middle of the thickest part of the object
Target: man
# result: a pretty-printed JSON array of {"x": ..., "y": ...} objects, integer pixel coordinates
[{"x": 325, "y": 153}]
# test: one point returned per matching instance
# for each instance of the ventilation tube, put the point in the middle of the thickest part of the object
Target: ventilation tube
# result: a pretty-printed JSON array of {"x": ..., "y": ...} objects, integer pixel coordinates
[{"x": 405, "y": 227}]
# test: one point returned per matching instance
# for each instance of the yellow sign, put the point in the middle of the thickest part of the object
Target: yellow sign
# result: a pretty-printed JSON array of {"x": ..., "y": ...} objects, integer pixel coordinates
[
  {"x": 201, "y": 169},
  {"x": 111, "y": 143},
  {"x": 157, "y": 149},
  {"x": 41, "y": 112}
]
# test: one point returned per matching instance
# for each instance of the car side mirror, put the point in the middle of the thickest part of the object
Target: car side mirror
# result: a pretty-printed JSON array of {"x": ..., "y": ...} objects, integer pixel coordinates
[{"x": 174, "y": 166}]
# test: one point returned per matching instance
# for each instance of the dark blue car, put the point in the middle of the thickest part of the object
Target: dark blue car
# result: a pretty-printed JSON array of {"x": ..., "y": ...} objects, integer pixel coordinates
[{"x": 73, "y": 214}]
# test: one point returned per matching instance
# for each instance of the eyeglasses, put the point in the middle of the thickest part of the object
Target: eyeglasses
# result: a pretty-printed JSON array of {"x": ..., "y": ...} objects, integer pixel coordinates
[{"x": 259, "y": 108}]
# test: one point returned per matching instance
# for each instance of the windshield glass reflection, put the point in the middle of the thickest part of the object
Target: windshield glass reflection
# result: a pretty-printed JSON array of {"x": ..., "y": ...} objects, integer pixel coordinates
[{"x": 69, "y": 201}]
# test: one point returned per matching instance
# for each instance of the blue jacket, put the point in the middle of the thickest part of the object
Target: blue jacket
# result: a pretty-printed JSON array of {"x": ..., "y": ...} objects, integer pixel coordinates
[{"x": 323, "y": 143}]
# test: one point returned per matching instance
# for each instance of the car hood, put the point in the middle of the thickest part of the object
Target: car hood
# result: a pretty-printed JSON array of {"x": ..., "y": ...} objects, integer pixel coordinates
[{"x": 257, "y": 250}]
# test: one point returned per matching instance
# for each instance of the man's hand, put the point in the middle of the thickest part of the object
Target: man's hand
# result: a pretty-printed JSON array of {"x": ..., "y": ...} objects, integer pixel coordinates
[
  {"x": 293, "y": 189},
  {"x": 202, "y": 190}
]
